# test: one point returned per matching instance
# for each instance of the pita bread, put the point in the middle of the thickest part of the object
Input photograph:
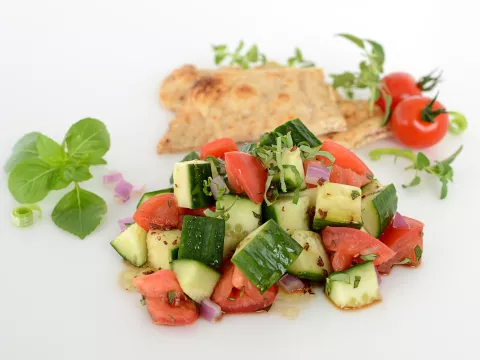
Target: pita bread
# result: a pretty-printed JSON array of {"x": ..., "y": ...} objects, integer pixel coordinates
[
  {"x": 363, "y": 128},
  {"x": 244, "y": 104}
]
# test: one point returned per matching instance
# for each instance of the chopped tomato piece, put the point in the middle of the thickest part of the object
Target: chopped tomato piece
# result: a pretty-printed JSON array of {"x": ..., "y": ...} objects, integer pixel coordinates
[
  {"x": 218, "y": 148},
  {"x": 403, "y": 242},
  {"x": 158, "y": 284},
  {"x": 246, "y": 298},
  {"x": 349, "y": 244},
  {"x": 159, "y": 212},
  {"x": 340, "y": 175},
  {"x": 246, "y": 174},
  {"x": 344, "y": 158},
  {"x": 162, "y": 313}
]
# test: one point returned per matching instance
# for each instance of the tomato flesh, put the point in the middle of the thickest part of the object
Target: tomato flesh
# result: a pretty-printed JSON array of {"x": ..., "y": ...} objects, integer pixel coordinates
[
  {"x": 344, "y": 158},
  {"x": 218, "y": 148},
  {"x": 409, "y": 128},
  {"x": 349, "y": 244},
  {"x": 159, "y": 212},
  {"x": 246, "y": 174},
  {"x": 235, "y": 300},
  {"x": 403, "y": 242},
  {"x": 340, "y": 175},
  {"x": 400, "y": 86},
  {"x": 162, "y": 313},
  {"x": 158, "y": 284}
]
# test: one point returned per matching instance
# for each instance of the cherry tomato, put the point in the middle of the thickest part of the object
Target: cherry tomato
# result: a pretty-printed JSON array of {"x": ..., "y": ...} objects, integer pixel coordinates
[
  {"x": 160, "y": 211},
  {"x": 419, "y": 122},
  {"x": 218, "y": 148},
  {"x": 246, "y": 174},
  {"x": 401, "y": 86}
]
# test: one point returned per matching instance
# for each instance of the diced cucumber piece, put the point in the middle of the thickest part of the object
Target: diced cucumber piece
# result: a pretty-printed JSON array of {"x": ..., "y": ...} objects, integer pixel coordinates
[
  {"x": 245, "y": 216},
  {"x": 378, "y": 210},
  {"x": 288, "y": 215},
  {"x": 313, "y": 263},
  {"x": 265, "y": 255},
  {"x": 202, "y": 239},
  {"x": 299, "y": 132},
  {"x": 151, "y": 194},
  {"x": 132, "y": 245},
  {"x": 312, "y": 195},
  {"x": 354, "y": 287},
  {"x": 190, "y": 156},
  {"x": 188, "y": 188},
  {"x": 163, "y": 247},
  {"x": 371, "y": 187},
  {"x": 196, "y": 279},
  {"x": 292, "y": 158},
  {"x": 338, "y": 205}
]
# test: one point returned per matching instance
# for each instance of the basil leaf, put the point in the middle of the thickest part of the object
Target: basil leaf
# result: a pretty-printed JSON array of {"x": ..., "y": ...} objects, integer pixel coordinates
[
  {"x": 80, "y": 173},
  {"x": 93, "y": 161},
  {"x": 25, "y": 148},
  {"x": 50, "y": 151},
  {"x": 61, "y": 178},
  {"x": 79, "y": 212},
  {"x": 31, "y": 180},
  {"x": 422, "y": 161},
  {"x": 354, "y": 39},
  {"x": 416, "y": 180},
  {"x": 87, "y": 140},
  {"x": 378, "y": 54}
]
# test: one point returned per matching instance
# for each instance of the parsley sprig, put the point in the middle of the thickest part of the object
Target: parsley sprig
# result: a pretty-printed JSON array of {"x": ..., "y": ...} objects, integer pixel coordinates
[
  {"x": 368, "y": 76},
  {"x": 420, "y": 162},
  {"x": 252, "y": 56}
]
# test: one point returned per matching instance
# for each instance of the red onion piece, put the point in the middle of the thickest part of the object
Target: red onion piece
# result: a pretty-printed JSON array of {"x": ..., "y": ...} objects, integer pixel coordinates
[
  {"x": 122, "y": 191},
  {"x": 112, "y": 178},
  {"x": 124, "y": 221},
  {"x": 138, "y": 189},
  {"x": 291, "y": 283},
  {"x": 210, "y": 311},
  {"x": 218, "y": 183},
  {"x": 399, "y": 222},
  {"x": 315, "y": 173},
  {"x": 379, "y": 277}
]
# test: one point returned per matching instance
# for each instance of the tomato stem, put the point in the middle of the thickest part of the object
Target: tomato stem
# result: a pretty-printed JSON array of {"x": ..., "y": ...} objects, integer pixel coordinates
[
  {"x": 428, "y": 114},
  {"x": 430, "y": 81},
  {"x": 458, "y": 123}
]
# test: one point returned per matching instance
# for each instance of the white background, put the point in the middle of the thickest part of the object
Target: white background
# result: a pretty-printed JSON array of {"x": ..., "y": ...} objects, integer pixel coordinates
[{"x": 61, "y": 61}]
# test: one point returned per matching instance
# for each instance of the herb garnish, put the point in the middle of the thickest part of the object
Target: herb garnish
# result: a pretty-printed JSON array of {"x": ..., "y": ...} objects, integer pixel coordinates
[
  {"x": 418, "y": 252},
  {"x": 251, "y": 57},
  {"x": 369, "y": 257},
  {"x": 220, "y": 211},
  {"x": 420, "y": 162},
  {"x": 38, "y": 165},
  {"x": 355, "y": 194},
  {"x": 404, "y": 261},
  {"x": 298, "y": 60},
  {"x": 171, "y": 295},
  {"x": 356, "y": 281}
]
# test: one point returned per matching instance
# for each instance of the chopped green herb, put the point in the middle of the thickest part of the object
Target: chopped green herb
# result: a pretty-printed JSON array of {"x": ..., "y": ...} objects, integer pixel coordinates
[
  {"x": 171, "y": 295},
  {"x": 355, "y": 194},
  {"x": 142, "y": 301},
  {"x": 243, "y": 291},
  {"x": 418, "y": 252},
  {"x": 267, "y": 309},
  {"x": 356, "y": 281},
  {"x": 369, "y": 257},
  {"x": 404, "y": 261},
  {"x": 251, "y": 57},
  {"x": 220, "y": 211},
  {"x": 206, "y": 186},
  {"x": 340, "y": 276},
  {"x": 172, "y": 319},
  {"x": 298, "y": 60},
  {"x": 441, "y": 169}
]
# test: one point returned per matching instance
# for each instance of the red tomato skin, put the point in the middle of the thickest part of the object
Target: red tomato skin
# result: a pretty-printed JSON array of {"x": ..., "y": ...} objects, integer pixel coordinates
[
  {"x": 158, "y": 284},
  {"x": 246, "y": 174},
  {"x": 348, "y": 244},
  {"x": 403, "y": 242},
  {"x": 401, "y": 86},
  {"x": 340, "y": 175},
  {"x": 249, "y": 301},
  {"x": 218, "y": 148},
  {"x": 160, "y": 211},
  {"x": 344, "y": 158},
  {"x": 409, "y": 128},
  {"x": 162, "y": 313}
]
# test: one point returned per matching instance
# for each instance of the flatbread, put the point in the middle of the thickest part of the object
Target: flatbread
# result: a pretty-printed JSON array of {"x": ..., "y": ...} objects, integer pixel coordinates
[
  {"x": 363, "y": 128},
  {"x": 244, "y": 104}
]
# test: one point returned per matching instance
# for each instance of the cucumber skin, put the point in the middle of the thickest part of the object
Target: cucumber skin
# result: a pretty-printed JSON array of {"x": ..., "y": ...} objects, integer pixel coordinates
[
  {"x": 190, "y": 156},
  {"x": 320, "y": 224},
  {"x": 298, "y": 131},
  {"x": 259, "y": 261},
  {"x": 149, "y": 195},
  {"x": 199, "y": 198},
  {"x": 382, "y": 201},
  {"x": 202, "y": 240}
]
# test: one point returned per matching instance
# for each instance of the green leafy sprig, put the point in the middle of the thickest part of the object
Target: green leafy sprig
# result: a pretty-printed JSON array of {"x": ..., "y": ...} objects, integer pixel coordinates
[
  {"x": 39, "y": 165},
  {"x": 251, "y": 57},
  {"x": 298, "y": 60},
  {"x": 420, "y": 162}
]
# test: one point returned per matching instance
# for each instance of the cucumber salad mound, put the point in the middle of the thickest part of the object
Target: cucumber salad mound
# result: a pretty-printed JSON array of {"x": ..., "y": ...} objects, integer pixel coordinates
[{"x": 239, "y": 225}]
